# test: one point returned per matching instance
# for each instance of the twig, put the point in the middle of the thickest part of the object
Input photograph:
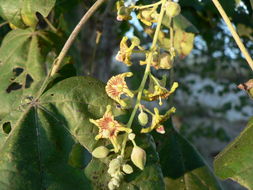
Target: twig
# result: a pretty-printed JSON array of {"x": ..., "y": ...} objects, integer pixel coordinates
[
  {"x": 50, "y": 25},
  {"x": 73, "y": 36},
  {"x": 234, "y": 33}
]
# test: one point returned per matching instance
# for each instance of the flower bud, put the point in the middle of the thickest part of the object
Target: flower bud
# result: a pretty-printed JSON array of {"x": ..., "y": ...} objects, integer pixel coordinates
[
  {"x": 115, "y": 182},
  {"x": 118, "y": 176},
  {"x": 100, "y": 152},
  {"x": 136, "y": 41},
  {"x": 112, "y": 171},
  {"x": 123, "y": 14},
  {"x": 131, "y": 136},
  {"x": 127, "y": 169},
  {"x": 111, "y": 186},
  {"x": 143, "y": 118},
  {"x": 114, "y": 164},
  {"x": 138, "y": 157},
  {"x": 172, "y": 9}
]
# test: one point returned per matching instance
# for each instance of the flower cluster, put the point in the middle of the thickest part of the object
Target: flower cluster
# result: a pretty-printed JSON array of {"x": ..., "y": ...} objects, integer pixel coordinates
[{"x": 159, "y": 56}]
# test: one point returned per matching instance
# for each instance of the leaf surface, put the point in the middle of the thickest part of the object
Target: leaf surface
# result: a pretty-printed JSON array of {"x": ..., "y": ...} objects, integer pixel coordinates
[
  {"x": 19, "y": 11},
  {"x": 235, "y": 161},
  {"x": 22, "y": 68},
  {"x": 182, "y": 166},
  {"x": 37, "y": 152}
]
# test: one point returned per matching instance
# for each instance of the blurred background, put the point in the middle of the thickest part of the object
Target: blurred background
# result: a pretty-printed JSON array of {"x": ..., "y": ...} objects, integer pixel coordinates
[{"x": 211, "y": 110}]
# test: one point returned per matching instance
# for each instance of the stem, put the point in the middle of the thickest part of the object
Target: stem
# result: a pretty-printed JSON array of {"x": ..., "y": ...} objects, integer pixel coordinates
[
  {"x": 146, "y": 73},
  {"x": 73, "y": 36},
  {"x": 50, "y": 25},
  {"x": 234, "y": 33}
]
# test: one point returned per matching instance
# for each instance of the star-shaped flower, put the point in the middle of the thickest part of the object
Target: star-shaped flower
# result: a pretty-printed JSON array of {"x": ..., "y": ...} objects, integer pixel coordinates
[
  {"x": 117, "y": 86},
  {"x": 157, "y": 120},
  {"x": 109, "y": 128}
]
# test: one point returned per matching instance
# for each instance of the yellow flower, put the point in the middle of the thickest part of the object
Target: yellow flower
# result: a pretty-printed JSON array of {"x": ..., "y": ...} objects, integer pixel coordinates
[
  {"x": 159, "y": 93},
  {"x": 157, "y": 120},
  {"x": 124, "y": 54},
  {"x": 117, "y": 86},
  {"x": 123, "y": 13},
  {"x": 109, "y": 128}
]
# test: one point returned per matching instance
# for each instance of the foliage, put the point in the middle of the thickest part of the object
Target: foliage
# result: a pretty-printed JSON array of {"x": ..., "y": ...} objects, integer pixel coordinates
[{"x": 52, "y": 123}]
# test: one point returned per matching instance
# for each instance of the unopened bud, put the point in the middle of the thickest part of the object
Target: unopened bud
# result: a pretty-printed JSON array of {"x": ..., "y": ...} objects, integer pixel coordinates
[
  {"x": 143, "y": 118},
  {"x": 118, "y": 176},
  {"x": 131, "y": 136},
  {"x": 123, "y": 14},
  {"x": 136, "y": 41},
  {"x": 111, "y": 186},
  {"x": 100, "y": 152},
  {"x": 115, "y": 182},
  {"x": 173, "y": 9},
  {"x": 138, "y": 157},
  {"x": 114, "y": 164},
  {"x": 146, "y": 14},
  {"x": 127, "y": 169}
]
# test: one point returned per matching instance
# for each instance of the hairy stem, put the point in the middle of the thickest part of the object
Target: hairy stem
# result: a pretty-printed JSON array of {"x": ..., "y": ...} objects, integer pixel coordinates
[
  {"x": 234, "y": 33},
  {"x": 73, "y": 36},
  {"x": 146, "y": 73}
]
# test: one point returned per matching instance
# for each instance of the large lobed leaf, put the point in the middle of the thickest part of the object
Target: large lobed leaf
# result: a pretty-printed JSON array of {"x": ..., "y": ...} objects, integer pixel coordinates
[
  {"x": 235, "y": 161},
  {"x": 182, "y": 166},
  {"x": 36, "y": 152},
  {"x": 22, "y": 68},
  {"x": 19, "y": 11}
]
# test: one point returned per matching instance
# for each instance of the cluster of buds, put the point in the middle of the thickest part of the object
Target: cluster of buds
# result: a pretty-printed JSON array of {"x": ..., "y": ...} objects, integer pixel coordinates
[{"x": 117, "y": 169}]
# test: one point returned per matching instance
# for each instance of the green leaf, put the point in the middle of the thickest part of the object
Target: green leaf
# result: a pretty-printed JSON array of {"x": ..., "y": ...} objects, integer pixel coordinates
[
  {"x": 21, "y": 12},
  {"x": 180, "y": 22},
  {"x": 38, "y": 152},
  {"x": 182, "y": 166},
  {"x": 149, "y": 178},
  {"x": 235, "y": 161},
  {"x": 22, "y": 68}
]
